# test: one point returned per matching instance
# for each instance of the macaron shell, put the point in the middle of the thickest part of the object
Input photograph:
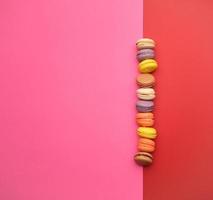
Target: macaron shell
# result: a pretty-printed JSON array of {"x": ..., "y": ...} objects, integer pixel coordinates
[
  {"x": 145, "y": 51},
  {"x": 146, "y": 141},
  {"x": 146, "y": 91},
  {"x": 145, "y": 122},
  {"x": 145, "y": 46},
  {"x": 145, "y": 40},
  {"x": 146, "y": 148},
  {"x": 146, "y": 104},
  {"x": 146, "y": 135},
  {"x": 146, "y": 97},
  {"x": 148, "y": 66},
  {"x": 144, "y": 115},
  {"x": 147, "y": 132},
  {"x": 144, "y": 54},
  {"x": 145, "y": 80},
  {"x": 142, "y": 109},
  {"x": 145, "y": 43}
]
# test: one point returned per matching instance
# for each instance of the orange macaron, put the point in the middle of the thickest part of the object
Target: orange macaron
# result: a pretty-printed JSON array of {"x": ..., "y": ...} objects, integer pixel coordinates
[
  {"x": 146, "y": 145},
  {"x": 145, "y": 119}
]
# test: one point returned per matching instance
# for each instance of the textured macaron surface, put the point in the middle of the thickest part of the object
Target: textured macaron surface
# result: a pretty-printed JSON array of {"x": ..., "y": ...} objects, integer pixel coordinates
[
  {"x": 144, "y": 106},
  {"x": 145, "y": 43},
  {"x": 143, "y": 158},
  {"x": 145, "y": 54},
  {"x": 146, "y": 141},
  {"x": 145, "y": 119},
  {"x": 146, "y": 145},
  {"x": 145, "y": 80},
  {"x": 145, "y": 122},
  {"x": 147, "y": 132},
  {"x": 145, "y": 91},
  {"x": 144, "y": 115},
  {"x": 148, "y": 66}
]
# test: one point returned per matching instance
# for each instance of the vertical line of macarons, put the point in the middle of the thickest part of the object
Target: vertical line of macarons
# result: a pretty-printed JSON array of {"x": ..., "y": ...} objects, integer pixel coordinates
[{"x": 145, "y": 103}]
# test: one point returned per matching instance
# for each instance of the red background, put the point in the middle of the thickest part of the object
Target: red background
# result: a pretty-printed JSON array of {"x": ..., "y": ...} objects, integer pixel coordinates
[{"x": 183, "y": 165}]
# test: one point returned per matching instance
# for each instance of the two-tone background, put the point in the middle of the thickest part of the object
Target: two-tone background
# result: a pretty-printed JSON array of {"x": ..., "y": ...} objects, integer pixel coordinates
[{"x": 67, "y": 99}]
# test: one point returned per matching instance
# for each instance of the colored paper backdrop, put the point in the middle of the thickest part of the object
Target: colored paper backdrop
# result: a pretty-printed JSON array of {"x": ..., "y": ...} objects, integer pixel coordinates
[
  {"x": 183, "y": 164},
  {"x": 67, "y": 100}
]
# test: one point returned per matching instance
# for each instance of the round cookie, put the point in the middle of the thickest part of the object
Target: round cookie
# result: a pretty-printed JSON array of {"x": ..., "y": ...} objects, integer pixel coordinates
[
  {"x": 144, "y": 54},
  {"x": 145, "y": 119},
  {"x": 143, "y": 158},
  {"x": 147, "y": 66},
  {"x": 144, "y": 106},
  {"x": 145, "y": 80},
  {"x": 147, "y": 132},
  {"x": 145, "y": 43},
  {"x": 146, "y": 145},
  {"x": 146, "y": 93}
]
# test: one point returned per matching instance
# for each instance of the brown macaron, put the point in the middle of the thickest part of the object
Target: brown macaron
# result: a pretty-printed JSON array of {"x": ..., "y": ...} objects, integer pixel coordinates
[
  {"x": 145, "y": 80},
  {"x": 143, "y": 158}
]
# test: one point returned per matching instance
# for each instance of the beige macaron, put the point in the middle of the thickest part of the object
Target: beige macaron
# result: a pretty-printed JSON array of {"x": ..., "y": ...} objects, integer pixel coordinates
[
  {"x": 145, "y": 43},
  {"x": 146, "y": 93}
]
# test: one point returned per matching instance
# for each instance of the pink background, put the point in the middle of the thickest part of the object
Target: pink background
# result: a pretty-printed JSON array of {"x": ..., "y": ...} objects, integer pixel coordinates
[{"x": 67, "y": 103}]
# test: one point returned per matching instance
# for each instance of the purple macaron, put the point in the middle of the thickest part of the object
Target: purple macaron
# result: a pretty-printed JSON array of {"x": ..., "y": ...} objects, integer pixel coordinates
[
  {"x": 145, "y": 54},
  {"x": 145, "y": 106}
]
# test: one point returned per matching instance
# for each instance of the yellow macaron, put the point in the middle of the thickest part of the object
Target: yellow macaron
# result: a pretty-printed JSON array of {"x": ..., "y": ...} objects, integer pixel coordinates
[
  {"x": 147, "y": 132},
  {"x": 147, "y": 66},
  {"x": 145, "y": 43}
]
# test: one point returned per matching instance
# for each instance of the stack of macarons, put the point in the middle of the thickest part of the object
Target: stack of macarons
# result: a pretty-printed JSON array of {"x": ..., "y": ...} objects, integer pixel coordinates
[{"x": 145, "y": 103}]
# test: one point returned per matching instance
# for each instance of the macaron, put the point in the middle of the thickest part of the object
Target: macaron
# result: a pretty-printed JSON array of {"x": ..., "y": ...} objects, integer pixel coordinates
[
  {"x": 145, "y": 43},
  {"x": 145, "y": 80},
  {"x": 144, "y": 54},
  {"x": 148, "y": 66},
  {"x": 143, "y": 158},
  {"x": 146, "y": 145},
  {"x": 146, "y": 93},
  {"x": 145, "y": 119},
  {"x": 144, "y": 106},
  {"x": 147, "y": 132}
]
